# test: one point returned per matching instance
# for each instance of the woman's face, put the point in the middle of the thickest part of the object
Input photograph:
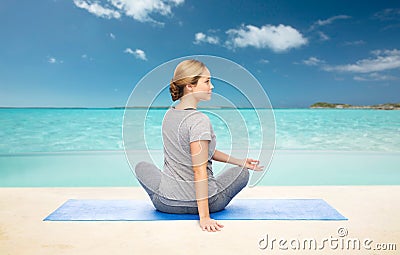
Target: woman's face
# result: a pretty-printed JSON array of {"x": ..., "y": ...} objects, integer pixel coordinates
[{"x": 204, "y": 87}]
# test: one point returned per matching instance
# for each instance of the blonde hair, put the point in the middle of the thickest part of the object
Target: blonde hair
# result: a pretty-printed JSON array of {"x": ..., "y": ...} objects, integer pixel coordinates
[{"x": 186, "y": 72}]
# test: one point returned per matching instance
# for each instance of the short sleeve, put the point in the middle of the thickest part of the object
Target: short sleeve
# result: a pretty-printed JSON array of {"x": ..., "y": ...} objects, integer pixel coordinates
[{"x": 199, "y": 128}]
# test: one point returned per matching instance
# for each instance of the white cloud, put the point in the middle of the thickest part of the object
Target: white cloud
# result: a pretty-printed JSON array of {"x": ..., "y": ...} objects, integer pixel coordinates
[
  {"x": 138, "y": 53},
  {"x": 97, "y": 9},
  {"x": 203, "y": 38},
  {"x": 374, "y": 77},
  {"x": 313, "y": 61},
  {"x": 53, "y": 60},
  {"x": 323, "y": 36},
  {"x": 384, "y": 60},
  {"x": 359, "y": 42},
  {"x": 85, "y": 57},
  {"x": 264, "y": 61},
  {"x": 320, "y": 23},
  {"x": 112, "y": 36},
  {"x": 278, "y": 38},
  {"x": 388, "y": 14},
  {"x": 392, "y": 26},
  {"x": 139, "y": 10}
]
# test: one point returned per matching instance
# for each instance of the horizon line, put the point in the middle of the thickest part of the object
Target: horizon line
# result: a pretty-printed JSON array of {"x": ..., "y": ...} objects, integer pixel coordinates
[
  {"x": 129, "y": 107},
  {"x": 166, "y": 107}
]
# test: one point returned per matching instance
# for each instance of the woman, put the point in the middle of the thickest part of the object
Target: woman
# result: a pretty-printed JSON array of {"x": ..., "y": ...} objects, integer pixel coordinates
[{"x": 187, "y": 184}]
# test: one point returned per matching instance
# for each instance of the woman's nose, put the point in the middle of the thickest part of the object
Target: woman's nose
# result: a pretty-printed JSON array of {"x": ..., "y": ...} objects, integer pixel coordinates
[{"x": 211, "y": 86}]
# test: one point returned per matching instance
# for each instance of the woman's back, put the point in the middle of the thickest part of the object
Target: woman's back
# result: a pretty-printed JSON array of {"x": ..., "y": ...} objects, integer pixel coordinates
[{"x": 179, "y": 129}]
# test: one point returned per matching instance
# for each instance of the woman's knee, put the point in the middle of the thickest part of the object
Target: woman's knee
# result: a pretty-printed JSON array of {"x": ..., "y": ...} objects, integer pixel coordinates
[
  {"x": 142, "y": 168},
  {"x": 149, "y": 176},
  {"x": 243, "y": 175},
  {"x": 141, "y": 165},
  {"x": 220, "y": 203}
]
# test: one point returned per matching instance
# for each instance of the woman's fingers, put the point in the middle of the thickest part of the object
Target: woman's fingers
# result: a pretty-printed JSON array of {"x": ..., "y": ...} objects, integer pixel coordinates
[
  {"x": 254, "y": 160},
  {"x": 212, "y": 226},
  {"x": 216, "y": 227},
  {"x": 256, "y": 167}
]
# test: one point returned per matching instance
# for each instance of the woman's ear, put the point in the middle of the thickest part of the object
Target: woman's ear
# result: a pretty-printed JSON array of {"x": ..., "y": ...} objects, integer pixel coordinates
[{"x": 189, "y": 87}]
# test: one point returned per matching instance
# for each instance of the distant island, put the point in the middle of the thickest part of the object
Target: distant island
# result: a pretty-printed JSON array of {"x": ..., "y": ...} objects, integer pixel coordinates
[{"x": 387, "y": 106}]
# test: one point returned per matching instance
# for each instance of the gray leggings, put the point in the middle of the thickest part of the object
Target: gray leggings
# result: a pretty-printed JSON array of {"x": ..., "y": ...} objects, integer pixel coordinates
[{"x": 149, "y": 176}]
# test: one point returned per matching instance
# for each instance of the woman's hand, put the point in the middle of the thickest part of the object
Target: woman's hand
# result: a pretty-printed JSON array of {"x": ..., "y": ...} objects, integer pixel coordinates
[
  {"x": 210, "y": 225},
  {"x": 252, "y": 164}
]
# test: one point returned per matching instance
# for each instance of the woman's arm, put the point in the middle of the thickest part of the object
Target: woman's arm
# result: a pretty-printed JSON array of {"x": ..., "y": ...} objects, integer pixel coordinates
[
  {"x": 223, "y": 157},
  {"x": 248, "y": 162},
  {"x": 199, "y": 152}
]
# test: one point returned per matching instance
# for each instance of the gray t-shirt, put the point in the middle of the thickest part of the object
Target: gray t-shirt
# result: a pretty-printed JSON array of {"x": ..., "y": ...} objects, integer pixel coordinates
[{"x": 179, "y": 129}]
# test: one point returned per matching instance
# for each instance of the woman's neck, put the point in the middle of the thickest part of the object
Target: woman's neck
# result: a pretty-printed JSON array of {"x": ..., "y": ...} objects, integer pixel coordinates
[{"x": 187, "y": 103}]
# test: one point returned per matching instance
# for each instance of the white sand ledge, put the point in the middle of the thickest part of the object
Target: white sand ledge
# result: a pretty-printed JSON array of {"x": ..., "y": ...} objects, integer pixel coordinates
[{"x": 372, "y": 211}]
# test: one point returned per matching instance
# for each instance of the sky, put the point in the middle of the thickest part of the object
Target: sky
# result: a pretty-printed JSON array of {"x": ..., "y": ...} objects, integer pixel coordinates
[{"x": 81, "y": 53}]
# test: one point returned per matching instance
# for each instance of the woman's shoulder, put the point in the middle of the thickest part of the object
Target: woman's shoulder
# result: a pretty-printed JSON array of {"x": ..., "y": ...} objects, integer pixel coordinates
[
  {"x": 188, "y": 117},
  {"x": 197, "y": 116}
]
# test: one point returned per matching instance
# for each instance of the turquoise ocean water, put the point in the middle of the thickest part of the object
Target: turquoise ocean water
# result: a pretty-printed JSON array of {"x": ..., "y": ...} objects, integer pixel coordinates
[{"x": 84, "y": 147}]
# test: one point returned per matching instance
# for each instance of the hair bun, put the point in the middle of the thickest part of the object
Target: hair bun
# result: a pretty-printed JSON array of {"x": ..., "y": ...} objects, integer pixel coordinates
[{"x": 176, "y": 91}]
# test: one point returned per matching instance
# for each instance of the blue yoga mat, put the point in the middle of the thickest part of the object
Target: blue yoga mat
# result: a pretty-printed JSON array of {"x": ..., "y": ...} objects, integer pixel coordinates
[{"x": 238, "y": 209}]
